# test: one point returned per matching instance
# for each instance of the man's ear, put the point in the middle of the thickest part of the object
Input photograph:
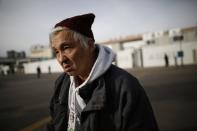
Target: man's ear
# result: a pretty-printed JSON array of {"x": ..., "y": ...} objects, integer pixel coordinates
[{"x": 91, "y": 43}]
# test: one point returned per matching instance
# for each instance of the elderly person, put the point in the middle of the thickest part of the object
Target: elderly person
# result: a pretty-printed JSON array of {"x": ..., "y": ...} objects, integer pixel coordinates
[{"x": 93, "y": 94}]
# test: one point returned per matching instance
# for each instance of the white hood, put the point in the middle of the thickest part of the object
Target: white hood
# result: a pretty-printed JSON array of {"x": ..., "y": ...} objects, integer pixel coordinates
[
  {"x": 75, "y": 102},
  {"x": 101, "y": 65}
]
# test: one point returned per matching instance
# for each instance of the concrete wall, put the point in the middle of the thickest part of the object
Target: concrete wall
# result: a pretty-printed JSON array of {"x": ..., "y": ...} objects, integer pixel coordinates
[
  {"x": 154, "y": 55},
  {"x": 148, "y": 56},
  {"x": 30, "y": 68},
  {"x": 124, "y": 58},
  {"x": 129, "y": 58},
  {"x": 134, "y": 44}
]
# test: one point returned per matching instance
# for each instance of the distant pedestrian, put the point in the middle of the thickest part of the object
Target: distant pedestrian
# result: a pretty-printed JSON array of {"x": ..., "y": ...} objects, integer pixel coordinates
[
  {"x": 49, "y": 69},
  {"x": 166, "y": 60},
  {"x": 38, "y": 72}
]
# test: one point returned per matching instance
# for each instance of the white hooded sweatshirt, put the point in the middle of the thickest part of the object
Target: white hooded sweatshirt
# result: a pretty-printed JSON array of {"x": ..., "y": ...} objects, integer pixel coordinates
[{"x": 75, "y": 103}]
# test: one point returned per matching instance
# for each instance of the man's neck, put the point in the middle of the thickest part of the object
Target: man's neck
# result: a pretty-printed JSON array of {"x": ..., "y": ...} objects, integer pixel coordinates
[{"x": 81, "y": 78}]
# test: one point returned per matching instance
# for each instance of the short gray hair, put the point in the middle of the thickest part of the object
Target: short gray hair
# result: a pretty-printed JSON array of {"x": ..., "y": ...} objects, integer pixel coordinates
[{"x": 76, "y": 36}]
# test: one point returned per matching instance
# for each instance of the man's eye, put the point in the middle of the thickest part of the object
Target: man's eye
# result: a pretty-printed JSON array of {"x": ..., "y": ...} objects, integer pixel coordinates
[
  {"x": 65, "y": 47},
  {"x": 56, "y": 52}
]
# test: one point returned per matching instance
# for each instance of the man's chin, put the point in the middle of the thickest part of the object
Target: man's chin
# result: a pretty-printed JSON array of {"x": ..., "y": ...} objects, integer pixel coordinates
[{"x": 70, "y": 73}]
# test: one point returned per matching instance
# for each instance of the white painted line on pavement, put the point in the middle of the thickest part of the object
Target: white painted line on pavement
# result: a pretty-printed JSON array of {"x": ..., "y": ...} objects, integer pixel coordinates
[{"x": 37, "y": 124}]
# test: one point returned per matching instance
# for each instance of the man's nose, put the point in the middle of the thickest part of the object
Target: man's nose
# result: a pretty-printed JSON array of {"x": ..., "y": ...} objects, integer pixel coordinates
[{"x": 62, "y": 57}]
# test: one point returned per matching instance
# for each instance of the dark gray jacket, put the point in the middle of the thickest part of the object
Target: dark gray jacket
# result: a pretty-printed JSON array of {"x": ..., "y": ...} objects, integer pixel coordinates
[{"x": 115, "y": 102}]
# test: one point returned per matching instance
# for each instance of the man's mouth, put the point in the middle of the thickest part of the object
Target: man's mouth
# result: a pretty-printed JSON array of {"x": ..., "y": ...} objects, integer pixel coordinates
[{"x": 67, "y": 67}]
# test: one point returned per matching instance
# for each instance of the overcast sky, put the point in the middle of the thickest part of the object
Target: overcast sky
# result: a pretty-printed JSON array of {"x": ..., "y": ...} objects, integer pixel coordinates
[{"x": 24, "y": 23}]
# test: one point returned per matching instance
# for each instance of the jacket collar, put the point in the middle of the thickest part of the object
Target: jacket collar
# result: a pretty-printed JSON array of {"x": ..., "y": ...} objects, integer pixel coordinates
[
  {"x": 64, "y": 89},
  {"x": 94, "y": 94},
  {"x": 98, "y": 96}
]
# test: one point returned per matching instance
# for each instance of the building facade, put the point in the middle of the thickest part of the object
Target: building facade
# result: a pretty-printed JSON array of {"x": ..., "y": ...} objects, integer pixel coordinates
[
  {"x": 148, "y": 50},
  {"x": 40, "y": 51}
]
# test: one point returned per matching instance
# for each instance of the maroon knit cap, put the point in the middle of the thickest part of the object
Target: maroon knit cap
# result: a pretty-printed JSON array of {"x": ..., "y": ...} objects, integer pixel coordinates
[{"x": 80, "y": 23}]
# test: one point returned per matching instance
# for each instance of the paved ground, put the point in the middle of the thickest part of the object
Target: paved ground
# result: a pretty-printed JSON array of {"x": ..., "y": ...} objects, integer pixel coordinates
[{"x": 172, "y": 91}]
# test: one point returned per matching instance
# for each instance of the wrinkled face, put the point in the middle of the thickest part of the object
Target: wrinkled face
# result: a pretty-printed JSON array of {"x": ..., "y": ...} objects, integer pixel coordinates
[{"x": 75, "y": 59}]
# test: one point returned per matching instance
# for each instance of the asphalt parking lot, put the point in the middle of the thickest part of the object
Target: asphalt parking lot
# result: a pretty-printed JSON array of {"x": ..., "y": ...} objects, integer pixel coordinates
[{"x": 172, "y": 91}]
